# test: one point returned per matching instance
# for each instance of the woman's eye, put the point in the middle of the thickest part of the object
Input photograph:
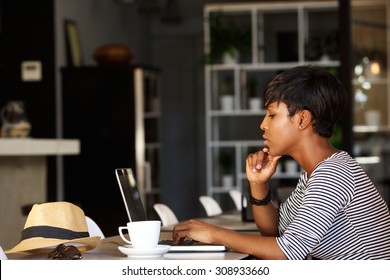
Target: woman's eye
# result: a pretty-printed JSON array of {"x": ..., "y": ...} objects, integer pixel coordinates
[{"x": 271, "y": 116}]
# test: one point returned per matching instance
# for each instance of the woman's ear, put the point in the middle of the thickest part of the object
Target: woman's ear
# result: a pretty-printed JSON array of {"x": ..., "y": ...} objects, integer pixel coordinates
[{"x": 305, "y": 118}]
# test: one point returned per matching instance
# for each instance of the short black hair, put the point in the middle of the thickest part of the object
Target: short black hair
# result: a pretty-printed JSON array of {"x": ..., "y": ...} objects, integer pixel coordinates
[{"x": 310, "y": 88}]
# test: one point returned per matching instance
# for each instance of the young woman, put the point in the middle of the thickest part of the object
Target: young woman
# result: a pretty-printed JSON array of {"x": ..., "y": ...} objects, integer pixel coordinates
[{"x": 335, "y": 211}]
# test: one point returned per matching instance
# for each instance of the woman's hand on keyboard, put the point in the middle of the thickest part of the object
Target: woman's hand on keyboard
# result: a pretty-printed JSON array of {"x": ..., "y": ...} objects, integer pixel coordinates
[{"x": 194, "y": 230}]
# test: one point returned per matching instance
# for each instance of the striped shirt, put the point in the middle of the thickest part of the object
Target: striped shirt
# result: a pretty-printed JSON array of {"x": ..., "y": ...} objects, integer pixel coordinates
[{"x": 335, "y": 214}]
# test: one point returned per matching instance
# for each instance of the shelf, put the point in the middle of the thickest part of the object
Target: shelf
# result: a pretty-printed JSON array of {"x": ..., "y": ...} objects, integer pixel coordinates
[
  {"x": 221, "y": 113},
  {"x": 115, "y": 112},
  {"x": 152, "y": 115},
  {"x": 38, "y": 147},
  {"x": 270, "y": 66},
  {"x": 155, "y": 145},
  {"x": 236, "y": 131},
  {"x": 153, "y": 191},
  {"x": 286, "y": 175},
  {"x": 246, "y": 143},
  {"x": 271, "y": 26},
  {"x": 368, "y": 160},
  {"x": 381, "y": 80},
  {"x": 220, "y": 189},
  {"x": 370, "y": 128}
]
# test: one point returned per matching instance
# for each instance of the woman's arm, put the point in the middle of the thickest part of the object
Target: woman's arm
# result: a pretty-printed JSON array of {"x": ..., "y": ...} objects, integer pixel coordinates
[
  {"x": 259, "y": 169},
  {"x": 262, "y": 247},
  {"x": 266, "y": 216}
]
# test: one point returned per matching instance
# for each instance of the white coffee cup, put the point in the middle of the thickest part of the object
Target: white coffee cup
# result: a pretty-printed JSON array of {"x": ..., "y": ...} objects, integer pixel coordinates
[{"x": 143, "y": 234}]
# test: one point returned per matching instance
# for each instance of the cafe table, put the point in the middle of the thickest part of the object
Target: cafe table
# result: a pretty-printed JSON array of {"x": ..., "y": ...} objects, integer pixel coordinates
[
  {"x": 230, "y": 220},
  {"x": 108, "y": 250},
  {"x": 233, "y": 221},
  {"x": 108, "y": 247}
]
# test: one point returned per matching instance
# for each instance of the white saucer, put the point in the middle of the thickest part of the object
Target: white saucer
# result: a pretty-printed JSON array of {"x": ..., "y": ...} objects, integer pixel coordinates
[{"x": 144, "y": 253}]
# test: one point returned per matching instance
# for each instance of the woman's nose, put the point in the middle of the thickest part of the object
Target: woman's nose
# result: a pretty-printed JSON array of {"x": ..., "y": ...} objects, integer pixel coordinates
[{"x": 263, "y": 125}]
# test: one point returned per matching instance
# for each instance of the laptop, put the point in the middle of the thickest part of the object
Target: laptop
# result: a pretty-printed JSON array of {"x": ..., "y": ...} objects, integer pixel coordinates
[{"x": 136, "y": 212}]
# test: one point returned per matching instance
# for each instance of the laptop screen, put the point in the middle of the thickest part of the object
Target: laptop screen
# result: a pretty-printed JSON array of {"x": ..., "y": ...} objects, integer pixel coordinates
[
  {"x": 130, "y": 194},
  {"x": 136, "y": 212}
]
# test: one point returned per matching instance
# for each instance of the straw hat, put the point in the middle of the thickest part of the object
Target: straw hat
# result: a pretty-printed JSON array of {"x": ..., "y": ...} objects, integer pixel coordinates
[{"x": 50, "y": 224}]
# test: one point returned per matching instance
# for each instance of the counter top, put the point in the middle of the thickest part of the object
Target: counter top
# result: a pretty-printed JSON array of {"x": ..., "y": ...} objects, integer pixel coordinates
[{"x": 38, "y": 147}]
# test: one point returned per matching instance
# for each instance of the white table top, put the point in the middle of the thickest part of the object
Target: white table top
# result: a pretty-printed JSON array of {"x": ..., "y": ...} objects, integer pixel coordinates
[{"x": 108, "y": 250}]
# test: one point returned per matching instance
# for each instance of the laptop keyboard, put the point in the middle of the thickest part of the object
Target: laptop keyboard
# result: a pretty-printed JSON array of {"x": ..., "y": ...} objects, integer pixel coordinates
[{"x": 186, "y": 242}]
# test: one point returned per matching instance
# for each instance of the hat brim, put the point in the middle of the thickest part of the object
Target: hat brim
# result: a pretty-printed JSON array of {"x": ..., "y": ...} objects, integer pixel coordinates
[{"x": 40, "y": 245}]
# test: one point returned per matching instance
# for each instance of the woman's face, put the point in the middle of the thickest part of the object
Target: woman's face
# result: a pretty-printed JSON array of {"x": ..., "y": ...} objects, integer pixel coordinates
[{"x": 280, "y": 130}]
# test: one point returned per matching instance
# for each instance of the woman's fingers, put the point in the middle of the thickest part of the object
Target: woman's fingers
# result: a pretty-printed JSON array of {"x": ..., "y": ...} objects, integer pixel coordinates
[
  {"x": 180, "y": 231},
  {"x": 256, "y": 161},
  {"x": 193, "y": 229}
]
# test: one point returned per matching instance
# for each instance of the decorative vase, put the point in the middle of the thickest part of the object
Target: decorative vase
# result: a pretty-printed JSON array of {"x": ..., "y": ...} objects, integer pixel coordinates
[
  {"x": 290, "y": 166},
  {"x": 231, "y": 56},
  {"x": 227, "y": 180},
  {"x": 254, "y": 103},
  {"x": 227, "y": 102},
  {"x": 113, "y": 55},
  {"x": 14, "y": 120}
]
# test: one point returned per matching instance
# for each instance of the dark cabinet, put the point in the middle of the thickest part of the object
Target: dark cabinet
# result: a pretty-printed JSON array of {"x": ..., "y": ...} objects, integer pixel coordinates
[{"x": 108, "y": 109}]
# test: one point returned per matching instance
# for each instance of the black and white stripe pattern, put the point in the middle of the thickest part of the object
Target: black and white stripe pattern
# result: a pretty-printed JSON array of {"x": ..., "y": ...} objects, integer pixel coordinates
[{"x": 335, "y": 214}]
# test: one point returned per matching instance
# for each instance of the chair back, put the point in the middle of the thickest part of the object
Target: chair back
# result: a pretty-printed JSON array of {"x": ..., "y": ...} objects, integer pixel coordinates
[
  {"x": 93, "y": 228},
  {"x": 236, "y": 197},
  {"x": 210, "y": 205},
  {"x": 3, "y": 256},
  {"x": 166, "y": 215}
]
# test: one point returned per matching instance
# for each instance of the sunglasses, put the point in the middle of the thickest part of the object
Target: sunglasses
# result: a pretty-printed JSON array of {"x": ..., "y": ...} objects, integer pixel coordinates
[{"x": 65, "y": 252}]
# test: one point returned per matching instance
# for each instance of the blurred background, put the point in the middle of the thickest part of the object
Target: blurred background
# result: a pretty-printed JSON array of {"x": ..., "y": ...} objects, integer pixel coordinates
[{"x": 140, "y": 84}]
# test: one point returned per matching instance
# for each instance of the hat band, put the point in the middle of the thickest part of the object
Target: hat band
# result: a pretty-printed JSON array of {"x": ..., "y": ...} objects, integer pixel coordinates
[{"x": 52, "y": 232}]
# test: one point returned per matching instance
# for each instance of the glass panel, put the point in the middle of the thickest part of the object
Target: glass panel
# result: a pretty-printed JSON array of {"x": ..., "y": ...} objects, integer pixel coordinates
[
  {"x": 371, "y": 105},
  {"x": 245, "y": 151},
  {"x": 280, "y": 31},
  {"x": 152, "y": 155},
  {"x": 151, "y": 100},
  {"x": 254, "y": 83},
  {"x": 369, "y": 35},
  {"x": 224, "y": 164},
  {"x": 230, "y": 38},
  {"x": 370, "y": 85},
  {"x": 222, "y": 89},
  {"x": 322, "y": 41},
  {"x": 237, "y": 128},
  {"x": 151, "y": 130}
]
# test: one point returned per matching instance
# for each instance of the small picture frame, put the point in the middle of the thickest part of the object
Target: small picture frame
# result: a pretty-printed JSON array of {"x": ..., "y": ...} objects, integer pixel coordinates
[{"x": 74, "y": 54}]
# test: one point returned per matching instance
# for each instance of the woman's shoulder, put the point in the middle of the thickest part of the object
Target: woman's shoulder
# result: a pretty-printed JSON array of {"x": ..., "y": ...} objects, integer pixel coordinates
[
  {"x": 334, "y": 172},
  {"x": 340, "y": 160}
]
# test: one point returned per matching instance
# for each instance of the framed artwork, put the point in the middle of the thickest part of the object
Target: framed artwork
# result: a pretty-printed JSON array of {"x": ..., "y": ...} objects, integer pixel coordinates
[{"x": 74, "y": 55}]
